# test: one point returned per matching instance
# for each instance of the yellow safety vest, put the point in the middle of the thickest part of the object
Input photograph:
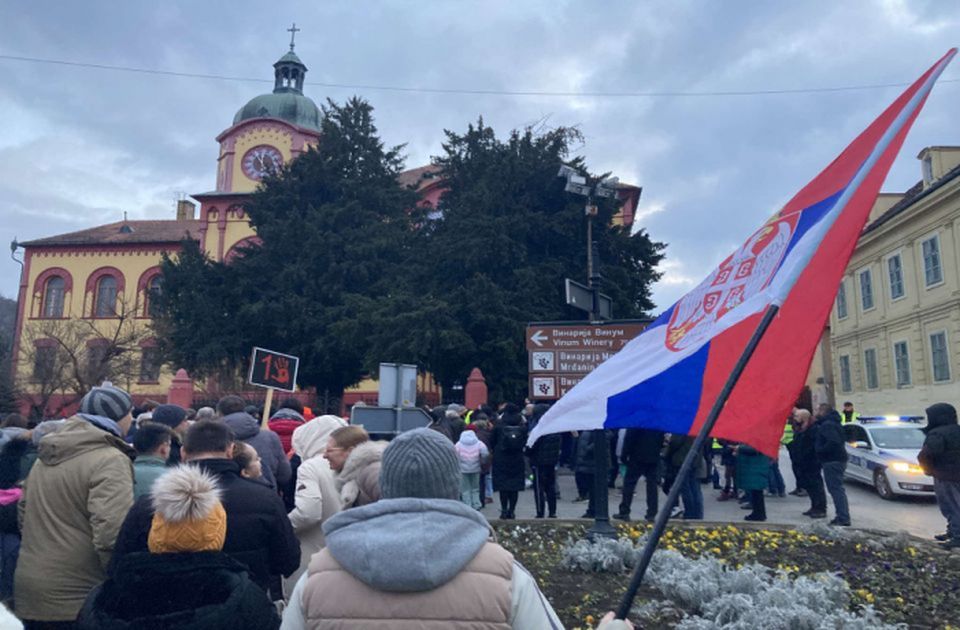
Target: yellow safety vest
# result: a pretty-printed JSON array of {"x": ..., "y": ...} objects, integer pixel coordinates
[{"x": 787, "y": 434}]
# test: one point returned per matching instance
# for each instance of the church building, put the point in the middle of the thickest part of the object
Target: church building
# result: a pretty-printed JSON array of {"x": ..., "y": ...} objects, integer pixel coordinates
[{"x": 98, "y": 282}]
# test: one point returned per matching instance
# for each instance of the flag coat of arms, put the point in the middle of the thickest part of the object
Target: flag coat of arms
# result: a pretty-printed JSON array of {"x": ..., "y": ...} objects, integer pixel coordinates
[{"x": 669, "y": 377}]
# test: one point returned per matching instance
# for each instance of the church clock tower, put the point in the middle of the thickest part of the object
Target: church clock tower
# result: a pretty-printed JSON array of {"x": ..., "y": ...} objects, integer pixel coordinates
[{"x": 269, "y": 131}]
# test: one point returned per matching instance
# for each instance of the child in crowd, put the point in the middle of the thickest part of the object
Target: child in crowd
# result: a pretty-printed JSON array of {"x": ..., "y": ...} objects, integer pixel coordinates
[
  {"x": 472, "y": 453},
  {"x": 248, "y": 459}
]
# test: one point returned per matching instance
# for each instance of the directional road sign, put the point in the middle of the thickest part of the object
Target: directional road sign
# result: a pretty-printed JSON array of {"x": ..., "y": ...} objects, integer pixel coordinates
[
  {"x": 581, "y": 296},
  {"x": 561, "y": 354}
]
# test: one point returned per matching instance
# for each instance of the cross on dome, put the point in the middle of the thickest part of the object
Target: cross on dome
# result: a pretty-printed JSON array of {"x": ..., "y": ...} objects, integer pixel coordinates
[{"x": 293, "y": 30}]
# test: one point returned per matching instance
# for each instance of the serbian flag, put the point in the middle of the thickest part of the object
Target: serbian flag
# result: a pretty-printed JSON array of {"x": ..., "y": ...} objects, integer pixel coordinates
[{"x": 669, "y": 377}]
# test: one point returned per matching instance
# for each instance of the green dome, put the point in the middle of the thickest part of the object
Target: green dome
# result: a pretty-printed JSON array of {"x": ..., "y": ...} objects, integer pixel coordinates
[
  {"x": 287, "y": 101},
  {"x": 290, "y": 106}
]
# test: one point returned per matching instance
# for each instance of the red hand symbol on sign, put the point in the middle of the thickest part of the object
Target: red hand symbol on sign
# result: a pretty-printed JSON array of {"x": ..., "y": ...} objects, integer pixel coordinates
[{"x": 282, "y": 375}]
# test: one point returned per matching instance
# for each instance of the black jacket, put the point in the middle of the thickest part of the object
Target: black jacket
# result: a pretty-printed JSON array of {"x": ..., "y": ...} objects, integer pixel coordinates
[
  {"x": 546, "y": 450},
  {"x": 186, "y": 591},
  {"x": 641, "y": 446},
  {"x": 508, "y": 466},
  {"x": 259, "y": 533},
  {"x": 940, "y": 455},
  {"x": 828, "y": 439}
]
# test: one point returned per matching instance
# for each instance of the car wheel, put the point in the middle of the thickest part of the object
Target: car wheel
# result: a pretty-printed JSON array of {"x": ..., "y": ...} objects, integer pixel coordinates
[{"x": 882, "y": 485}]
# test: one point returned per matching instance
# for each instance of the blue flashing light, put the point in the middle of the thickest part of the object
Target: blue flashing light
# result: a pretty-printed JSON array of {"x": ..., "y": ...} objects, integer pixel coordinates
[{"x": 891, "y": 419}]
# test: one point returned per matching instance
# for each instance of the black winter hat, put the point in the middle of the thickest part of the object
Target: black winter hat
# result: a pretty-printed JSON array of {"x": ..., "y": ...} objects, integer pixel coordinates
[{"x": 170, "y": 415}]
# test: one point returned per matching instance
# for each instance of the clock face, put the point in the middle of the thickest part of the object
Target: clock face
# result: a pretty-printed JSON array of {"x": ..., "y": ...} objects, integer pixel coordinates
[{"x": 261, "y": 160}]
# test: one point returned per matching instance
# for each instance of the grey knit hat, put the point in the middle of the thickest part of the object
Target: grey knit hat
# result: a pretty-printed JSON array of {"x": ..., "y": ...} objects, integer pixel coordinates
[
  {"x": 107, "y": 401},
  {"x": 420, "y": 464}
]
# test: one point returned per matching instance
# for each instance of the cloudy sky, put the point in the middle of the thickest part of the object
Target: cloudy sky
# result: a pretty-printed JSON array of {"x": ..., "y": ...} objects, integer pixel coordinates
[{"x": 80, "y": 146}]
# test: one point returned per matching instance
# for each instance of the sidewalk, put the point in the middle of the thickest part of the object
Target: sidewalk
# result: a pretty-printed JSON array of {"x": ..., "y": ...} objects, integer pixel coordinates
[{"x": 919, "y": 517}]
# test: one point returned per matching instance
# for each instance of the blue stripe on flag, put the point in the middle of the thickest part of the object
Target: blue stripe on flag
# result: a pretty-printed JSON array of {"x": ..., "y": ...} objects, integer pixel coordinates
[
  {"x": 809, "y": 217},
  {"x": 667, "y": 401}
]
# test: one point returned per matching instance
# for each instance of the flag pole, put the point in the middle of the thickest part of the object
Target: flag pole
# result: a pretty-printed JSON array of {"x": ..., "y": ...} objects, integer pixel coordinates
[{"x": 686, "y": 468}]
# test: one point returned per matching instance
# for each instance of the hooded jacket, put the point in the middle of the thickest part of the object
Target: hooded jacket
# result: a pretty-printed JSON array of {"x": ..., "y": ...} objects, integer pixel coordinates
[
  {"x": 284, "y": 423},
  {"x": 546, "y": 450},
  {"x": 471, "y": 451},
  {"x": 359, "y": 479},
  {"x": 74, "y": 502},
  {"x": 276, "y": 466},
  {"x": 940, "y": 455},
  {"x": 258, "y": 532},
  {"x": 828, "y": 439},
  {"x": 508, "y": 465},
  {"x": 317, "y": 497},
  {"x": 430, "y": 581}
]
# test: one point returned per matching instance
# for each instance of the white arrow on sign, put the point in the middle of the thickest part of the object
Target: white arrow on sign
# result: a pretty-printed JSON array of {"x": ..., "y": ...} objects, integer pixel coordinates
[{"x": 538, "y": 338}]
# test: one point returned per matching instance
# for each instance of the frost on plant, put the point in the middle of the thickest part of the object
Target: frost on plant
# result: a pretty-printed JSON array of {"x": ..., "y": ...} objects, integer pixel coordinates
[
  {"x": 604, "y": 554},
  {"x": 718, "y": 596}
]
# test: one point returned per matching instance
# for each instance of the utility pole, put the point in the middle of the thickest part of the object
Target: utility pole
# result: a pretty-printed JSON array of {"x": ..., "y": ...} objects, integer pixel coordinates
[{"x": 579, "y": 185}]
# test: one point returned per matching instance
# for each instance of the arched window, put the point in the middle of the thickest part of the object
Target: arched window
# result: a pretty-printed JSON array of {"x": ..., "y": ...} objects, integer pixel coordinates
[
  {"x": 154, "y": 287},
  {"x": 53, "y": 294},
  {"x": 105, "y": 304}
]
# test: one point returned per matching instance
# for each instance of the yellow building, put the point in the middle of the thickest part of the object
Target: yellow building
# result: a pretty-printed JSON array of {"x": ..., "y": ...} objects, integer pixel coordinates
[
  {"x": 86, "y": 294},
  {"x": 84, "y": 297},
  {"x": 895, "y": 327}
]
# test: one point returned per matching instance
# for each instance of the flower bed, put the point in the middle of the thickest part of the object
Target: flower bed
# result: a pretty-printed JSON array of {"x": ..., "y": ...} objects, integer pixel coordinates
[{"x": 740, "y": 575}]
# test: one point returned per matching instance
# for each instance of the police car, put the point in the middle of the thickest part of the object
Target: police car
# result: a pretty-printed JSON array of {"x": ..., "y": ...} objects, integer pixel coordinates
[{"x": 883, "y": 452}]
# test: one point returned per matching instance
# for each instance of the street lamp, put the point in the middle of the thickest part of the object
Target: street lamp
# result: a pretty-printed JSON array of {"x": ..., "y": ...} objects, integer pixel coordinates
[{"x": 604, "y": 188}]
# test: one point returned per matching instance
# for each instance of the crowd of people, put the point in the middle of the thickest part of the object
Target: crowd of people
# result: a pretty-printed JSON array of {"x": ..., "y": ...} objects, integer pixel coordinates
[{"x": 209, "y": 519}]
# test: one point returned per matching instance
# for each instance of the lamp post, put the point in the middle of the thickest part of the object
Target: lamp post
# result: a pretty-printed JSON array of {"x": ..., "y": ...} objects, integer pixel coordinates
[{"x": 605, "y": 188}]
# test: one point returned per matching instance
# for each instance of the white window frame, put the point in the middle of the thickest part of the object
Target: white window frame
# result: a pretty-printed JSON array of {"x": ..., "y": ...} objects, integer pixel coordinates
[
  {"x": 932, "y": 237},
  {"x": 896, "y": 365},
  {"x": 842, "y": 291},
  {"x": 946, "y": 349},
  {"x": 903, "y": 278},
  {"x": 866, "y": 369},
  {"x": 845, "y": 387},
  {"x": 873, "y": 293}
]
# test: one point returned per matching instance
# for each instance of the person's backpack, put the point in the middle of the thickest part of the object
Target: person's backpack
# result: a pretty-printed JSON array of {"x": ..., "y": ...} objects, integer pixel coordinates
[{"x": 513, "y": 440}]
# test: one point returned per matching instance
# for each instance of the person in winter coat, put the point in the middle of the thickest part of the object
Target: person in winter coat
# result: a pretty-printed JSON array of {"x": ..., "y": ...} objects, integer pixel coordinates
[
  {"x": 831, "y": 450},
  {"x": 276, "y": 466},
  {"x": 373, "y": 572},
  {"x": 175, "y": 418},
  {"x": 472, "y": 454},
  {"x": 286, "y": 420},
  {"x": 317, "y": 496},
  {"x": 483, "y": 427},
  {"x": 940, "y": 458},
  {"x": 259, "y": 534},
  {"x": 544, "y": 456},
  {"x": 641, "y": 454},
  {"x": 152, "y": 444},
  {"x": 583, "y": 470},
  {"x": 184, "y": 581},
  {"x": 73, "y": 504},
  {"x": 811, "y": 479},
  {"x": 508, "y": 440},
  {"x": 356, "y": 460},
  {"x": 11, "y": 456},
  {"x": 753, "y": 469},
  {"x": 690, "y": 492}
]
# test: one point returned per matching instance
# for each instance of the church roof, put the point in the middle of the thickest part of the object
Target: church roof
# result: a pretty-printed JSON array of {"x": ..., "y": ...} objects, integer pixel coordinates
[
  {"x": 289, "y": 106},
  {"x": 124, "y": 233}
]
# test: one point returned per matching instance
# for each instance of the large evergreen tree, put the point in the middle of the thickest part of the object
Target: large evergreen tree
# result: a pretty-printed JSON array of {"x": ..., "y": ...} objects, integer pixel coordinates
[
  {"x": 505, "y": 237},
  {"x": 333, "y": 225}
]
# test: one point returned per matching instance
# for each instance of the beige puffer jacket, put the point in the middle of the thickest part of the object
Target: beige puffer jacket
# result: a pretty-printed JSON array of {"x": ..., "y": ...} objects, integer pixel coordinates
[{"x": 74, "y": 501}]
